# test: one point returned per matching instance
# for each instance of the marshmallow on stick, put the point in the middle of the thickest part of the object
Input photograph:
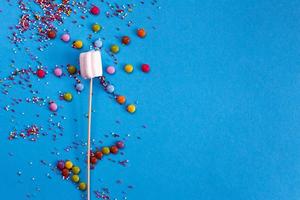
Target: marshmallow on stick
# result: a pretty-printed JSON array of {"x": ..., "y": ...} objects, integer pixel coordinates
[
  {"x": 90, "y": 64},
  {"x": 90, "y": 67}
]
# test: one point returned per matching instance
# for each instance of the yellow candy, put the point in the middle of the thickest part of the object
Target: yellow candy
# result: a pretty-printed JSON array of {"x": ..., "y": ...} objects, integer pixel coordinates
[
  {"x": 96, "y": 27},
  {"x": 128, "y": 68},
  {"x": 78, "y": 44},
  {"x": 114, "y": 48},
  {"x": 68, "y": 96},
  {"x": 68, "y": 164},
  {"x": 131, "y": 108},
  {"x": 75, "y": 170},
  {"x": 105, "y": 150},
  {"x": 82, "y": 186},
  {"x": 75, "y": 178}
]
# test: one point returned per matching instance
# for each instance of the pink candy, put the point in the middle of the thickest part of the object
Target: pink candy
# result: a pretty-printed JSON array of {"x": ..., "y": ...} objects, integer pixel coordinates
[
  {"x": 95, "y": 10},
  {"x": 53, "y": 106},
  {"x": 65, "y": 37},
  {"x": 58, "y": 71},
  {"x": 110, "y": 70}
]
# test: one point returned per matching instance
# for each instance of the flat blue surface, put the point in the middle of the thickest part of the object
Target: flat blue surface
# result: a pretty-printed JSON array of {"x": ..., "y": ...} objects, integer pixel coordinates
[{"x": 221, "y": 105}]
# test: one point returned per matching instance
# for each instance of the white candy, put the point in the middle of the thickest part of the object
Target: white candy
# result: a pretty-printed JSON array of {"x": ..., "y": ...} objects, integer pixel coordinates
[{"x": 90, "y": 64}]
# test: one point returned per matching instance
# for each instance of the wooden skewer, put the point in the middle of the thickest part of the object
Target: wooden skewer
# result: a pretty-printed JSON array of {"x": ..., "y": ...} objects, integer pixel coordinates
[{"x": 89, "y": 142}]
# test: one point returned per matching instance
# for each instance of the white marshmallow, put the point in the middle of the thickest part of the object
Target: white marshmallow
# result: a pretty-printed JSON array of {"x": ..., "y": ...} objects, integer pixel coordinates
[{"x": 90, "y": 64}]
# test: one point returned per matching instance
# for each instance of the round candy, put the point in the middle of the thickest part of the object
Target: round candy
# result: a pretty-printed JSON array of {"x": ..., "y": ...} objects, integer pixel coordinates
[
  {"x": 114, "y": 48},
  {"x": 131, "y": 108},
  {"x": 78, "y": 44},
  {"x": 98, "y": 43},
  {"x": 121, "y": 99},
  {"x": 75, "y": 170},
  {"x": 40, "y": 73},
  {"x": 68, "y": 96},
  {"x": 60, "y": 165},
  {"x": 68, "y": 164},
  {"x": 91, "y": 153},
  {"x": 99, "y": 155},
  {"x": 72, "y": 69},
  {"x": 58, "y": 71},
  {"x": 51, "y": 34},
  {"x": 125, "y": 40},
  {"x": 93, "y": 160},
  {"x": 95, "y": 10},
  {"x": 128, "y": 68},
  {"x": 145, "y": 68},
  {"x": 65, "y": 172},
  {"x": 75, "y": 178},
  {"x": 105, "y": 150},
  {"x": 96, "y": 27},
  {"x": 79, "y": 87},
  {"x": 53, "y": 106},
  {"x": 110, "y": 69},
  {"x": 82, "y": 186},
  {"x": 110, "y": 88},
  {"x": 141, "y": 33},
  {"x": 114, "y": 149},
  {"x": 120, "y": 144},
  {"x": 65, "y": 37}
]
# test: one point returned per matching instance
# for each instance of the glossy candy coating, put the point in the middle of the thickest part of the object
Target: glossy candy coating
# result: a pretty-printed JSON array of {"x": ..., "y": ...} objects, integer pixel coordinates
[
  {"x": 121, "y": 99},
  {"x": 68, "y": 96},
  {"x": 131, "y": 108}
]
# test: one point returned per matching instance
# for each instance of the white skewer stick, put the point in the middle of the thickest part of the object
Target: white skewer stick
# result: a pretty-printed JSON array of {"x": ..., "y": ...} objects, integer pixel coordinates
[
  {"x": 90, "y": 67},
  {"x": 89, "y": 141}
]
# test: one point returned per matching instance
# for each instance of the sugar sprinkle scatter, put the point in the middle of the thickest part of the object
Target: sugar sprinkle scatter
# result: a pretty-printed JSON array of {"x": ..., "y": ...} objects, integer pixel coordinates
[{"x": 40, "y": 26}]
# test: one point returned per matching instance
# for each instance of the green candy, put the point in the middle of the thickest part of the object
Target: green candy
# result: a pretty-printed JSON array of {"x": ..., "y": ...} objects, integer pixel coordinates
[
  {"x": 72, "y": 69},
  {"x": 75, "y": 178},
  {"x": 76, "y": 170}
]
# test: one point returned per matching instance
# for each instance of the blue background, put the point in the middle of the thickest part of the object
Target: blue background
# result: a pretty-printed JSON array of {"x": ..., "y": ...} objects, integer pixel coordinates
[{"x": 221, "y": 106}]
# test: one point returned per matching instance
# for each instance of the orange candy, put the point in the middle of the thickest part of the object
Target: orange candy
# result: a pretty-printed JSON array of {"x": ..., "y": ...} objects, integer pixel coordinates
[
  {"x": 121, "y": 99},
  {"x": 141, "y": 33}
]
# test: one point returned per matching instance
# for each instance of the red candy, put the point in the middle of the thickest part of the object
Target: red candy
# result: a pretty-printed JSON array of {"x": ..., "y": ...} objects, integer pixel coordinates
[
  {"x": 40, "y": 73},
  {"x": 125, "y": 40},
  {"x": 65, "y": 173},
  {"x": 99, "y": 155},
  {"x": 114, "y": 149},
  {"x": 95, "y": 10},
  {"x": 51, "y": 34},
  {"x": 120, "y": 144},
  {"x": 93, "y": 160},
  {"x": 145, "y": 68},
  {"x": 60, "y": 165}
]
